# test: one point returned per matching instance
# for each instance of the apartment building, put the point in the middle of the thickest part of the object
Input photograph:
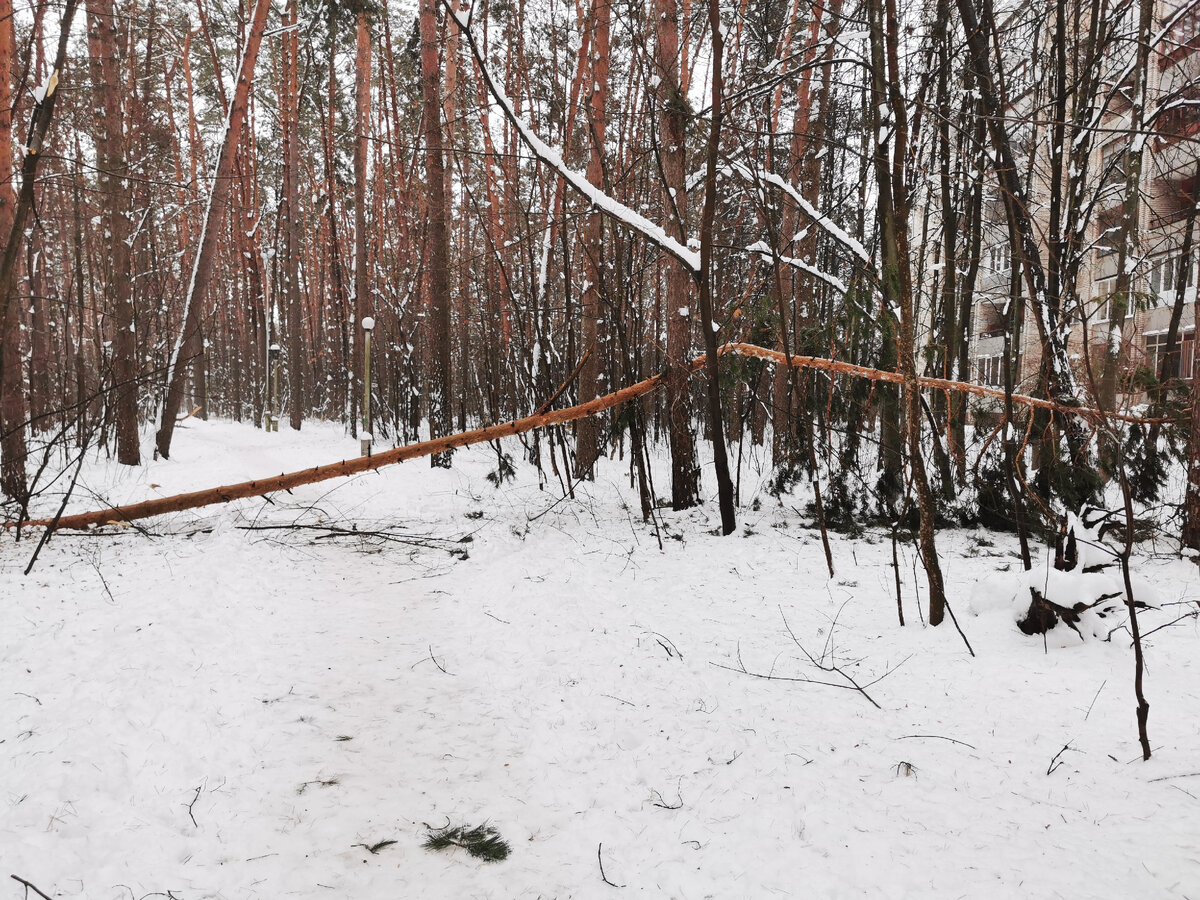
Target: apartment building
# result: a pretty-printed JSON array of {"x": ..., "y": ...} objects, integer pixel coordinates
[{"x": 1170, "y": 147}]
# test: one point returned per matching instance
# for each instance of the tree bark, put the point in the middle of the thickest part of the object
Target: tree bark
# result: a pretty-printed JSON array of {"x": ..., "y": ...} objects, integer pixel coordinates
[
  {"x": 111, "y": 160},
  {"x": 438, "y": 301},
  {"x": 12, "y": 398},
  {"x": 672, "y": 147},
  {"x": 587, "y": 437},
  {"x": 290, "y": 121},
  {"x": 363, "y": 307},
  {"x": 43, "y": 115},
  {"x": 1191, "y": 500},
  {"x": 539, "y": 419},
  {"x": 705, "y": 275}
]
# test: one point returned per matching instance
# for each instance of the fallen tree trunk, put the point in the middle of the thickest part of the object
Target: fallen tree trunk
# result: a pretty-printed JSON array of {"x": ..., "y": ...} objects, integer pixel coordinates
[
  {"x": 259, "y": 487},
  {"x": 938, "y": 384},
  {"x": 262, "y": 486}
]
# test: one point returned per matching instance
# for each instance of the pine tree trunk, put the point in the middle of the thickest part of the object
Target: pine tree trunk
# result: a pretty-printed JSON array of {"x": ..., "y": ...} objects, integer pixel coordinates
[
  {"x": 105, "y": 57},
  {"x": 672, "y": 139},
  {"x": 438, "y": 302},
  {"x": 12, "y": 397},
  {"x": 363, "y": 307},
  {"x": 43, "y": 115},
  {"x": 290, "y": 121},
  {"x": 587, "y": 436},
  {"x": 705, "y": 276}
]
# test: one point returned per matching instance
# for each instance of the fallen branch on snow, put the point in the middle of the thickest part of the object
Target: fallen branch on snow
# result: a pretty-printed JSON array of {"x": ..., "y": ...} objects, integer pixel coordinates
[{"x": 30, "y": 887}]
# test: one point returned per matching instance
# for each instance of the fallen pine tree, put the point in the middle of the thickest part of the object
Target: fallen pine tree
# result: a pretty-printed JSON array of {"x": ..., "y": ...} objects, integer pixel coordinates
[{"x": 262, "y": 486}]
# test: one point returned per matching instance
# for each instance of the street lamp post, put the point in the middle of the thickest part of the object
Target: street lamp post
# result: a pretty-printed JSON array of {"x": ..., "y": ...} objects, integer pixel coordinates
[
  {"x": 272, "y": 423},
  {"x": 365, "y": 438}
]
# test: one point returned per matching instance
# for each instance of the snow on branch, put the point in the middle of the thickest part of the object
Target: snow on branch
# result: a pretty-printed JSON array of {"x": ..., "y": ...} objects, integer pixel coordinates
[
  {"x": 828, "y": 225},
  {"x": 551, "y": 157},
  {"x": 832, "y": 280}
]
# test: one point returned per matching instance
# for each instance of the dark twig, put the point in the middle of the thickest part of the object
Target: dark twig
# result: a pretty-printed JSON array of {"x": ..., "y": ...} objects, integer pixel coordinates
[
  {"x": 1143, "y": 706},
  {"x": 31, "y": 887},
  {"x": 741, "y": 669},
  {"x": 103, "y": 582},
  {"x": 618, "y": 699},
  {"x": 599, "y": 859},
  {"x": 669, "y": 646},
  {"x": 662, "y": 803},
  {"x": 58, "y": 515},
  {"x": 954, "y": 619},
  {"x": 770, "y": 677},
  {"x": 1190, "y": 615},
  {"x": 1056, "y": 762},
  {"x": 193, "y": 803},
  {"x": 826, "y": 668},
  {"x": 436, "y": 663},
  {"x": 940, "y": 737},
  {"x": 1094, "y": 699}
]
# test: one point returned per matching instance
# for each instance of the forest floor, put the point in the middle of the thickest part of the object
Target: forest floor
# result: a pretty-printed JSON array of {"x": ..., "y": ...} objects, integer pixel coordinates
[{"x": 259, "y": 701}]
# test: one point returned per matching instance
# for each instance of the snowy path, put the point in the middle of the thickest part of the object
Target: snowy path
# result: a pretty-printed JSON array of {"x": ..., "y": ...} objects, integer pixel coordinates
[{"x": 301, "y": 696}]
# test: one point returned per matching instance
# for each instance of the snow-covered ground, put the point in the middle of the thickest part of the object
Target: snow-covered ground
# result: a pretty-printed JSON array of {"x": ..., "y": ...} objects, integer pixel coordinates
[{"x": 201, "y": 710}]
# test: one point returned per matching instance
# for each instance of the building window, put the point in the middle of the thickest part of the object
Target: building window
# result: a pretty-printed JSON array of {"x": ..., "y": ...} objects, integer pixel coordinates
[
  {"x": 1110, "y": 225},
  {"x": 1020, "y": 79},
  {"x": 1114, "y": 160},
  {"x": 1179, "y": 119},
  {"x": 999, "y": 259},
  {"x": 989, "y": 370},
  {"x": 1156, "y": 346},
  {"x": 1101, "y": 310},
  {"x": 991, "y": 319},
  {"x": 1162, "y": 277},
  {"x": 1185, "y": 29}
]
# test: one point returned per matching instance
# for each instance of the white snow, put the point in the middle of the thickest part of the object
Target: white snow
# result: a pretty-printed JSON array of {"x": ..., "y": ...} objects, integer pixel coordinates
[{"x": 216, "y": 712}]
